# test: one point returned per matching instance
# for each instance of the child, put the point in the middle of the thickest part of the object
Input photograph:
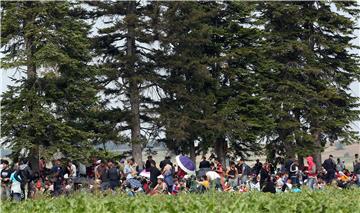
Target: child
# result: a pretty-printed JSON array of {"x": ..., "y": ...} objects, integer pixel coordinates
[{"x": 243, "y": 188}]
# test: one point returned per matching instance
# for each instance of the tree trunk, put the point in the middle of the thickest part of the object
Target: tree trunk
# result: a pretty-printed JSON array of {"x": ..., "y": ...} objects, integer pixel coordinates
[
  {"x": 134, "y": 92},
  {"x": 31, "y": 75},
  {"x": 220, "y": 150},
  {"x": 289, "y": 151},
  {"x": 317, "y": 151},
  {"x": 301, "y": 161},
  {"x": 192, "y": 151},
  {"x": 34, "y": 159}
]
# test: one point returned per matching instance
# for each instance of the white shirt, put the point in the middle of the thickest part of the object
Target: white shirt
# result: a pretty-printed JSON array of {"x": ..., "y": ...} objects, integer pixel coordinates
[
  {"x": 73, "y": 170},
  {"x": 212, "y": 175},
  {"x": 255, "y": 186}
]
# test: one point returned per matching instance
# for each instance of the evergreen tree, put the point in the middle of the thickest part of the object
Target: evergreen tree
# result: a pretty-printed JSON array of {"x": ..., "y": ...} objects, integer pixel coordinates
[
  {"x": 187, "y": 82},
  {"x": 240, "y": 100},
  {"x": 124, "y": 47},
  {"x": 48, "y": 109},
  {"x": 311, "y": 69},
  {"x": 213, "y": 94}
]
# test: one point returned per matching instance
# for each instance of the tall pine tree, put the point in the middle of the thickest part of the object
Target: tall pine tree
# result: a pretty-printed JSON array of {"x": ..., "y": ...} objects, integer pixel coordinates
[
  {"x": 47, "y": 110},
  {"x": 311, "y": 70},
  {"x": 125, "y": 49}
]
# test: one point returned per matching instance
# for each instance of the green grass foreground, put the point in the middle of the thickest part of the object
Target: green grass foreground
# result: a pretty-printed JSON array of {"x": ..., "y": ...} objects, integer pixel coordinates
[{"x": 330, "y": 200}]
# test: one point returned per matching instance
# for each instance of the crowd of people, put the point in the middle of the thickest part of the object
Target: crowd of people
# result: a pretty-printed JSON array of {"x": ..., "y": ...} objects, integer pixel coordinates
[{"x": 19, "y": 182}]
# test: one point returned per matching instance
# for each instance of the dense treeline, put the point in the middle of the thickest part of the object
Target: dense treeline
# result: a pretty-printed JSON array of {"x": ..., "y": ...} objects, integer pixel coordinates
[{"x": 236, "y": 77}]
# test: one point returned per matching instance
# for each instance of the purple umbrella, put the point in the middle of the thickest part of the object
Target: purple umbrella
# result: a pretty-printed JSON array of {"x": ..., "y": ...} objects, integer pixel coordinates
[{"x": 185, "y": 164}]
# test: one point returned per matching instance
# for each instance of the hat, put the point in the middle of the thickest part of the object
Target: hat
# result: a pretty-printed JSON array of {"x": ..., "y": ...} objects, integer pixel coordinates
[
  {"x": 160, "y": 177},
  {"x": 66, "y": 176},
  {"x": 98, "y": 162}
]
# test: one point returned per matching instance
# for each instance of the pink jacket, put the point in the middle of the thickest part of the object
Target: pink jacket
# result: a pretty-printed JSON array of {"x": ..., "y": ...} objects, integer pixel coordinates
[{"x": 311, "y": 167}]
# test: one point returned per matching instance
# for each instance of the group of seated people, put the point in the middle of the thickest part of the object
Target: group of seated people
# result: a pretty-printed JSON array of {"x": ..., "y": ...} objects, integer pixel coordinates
[{"x": 19, "y": 182}]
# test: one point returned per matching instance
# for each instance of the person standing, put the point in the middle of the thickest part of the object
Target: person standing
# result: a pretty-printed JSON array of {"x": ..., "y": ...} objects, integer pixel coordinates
[
  {"x": 357, "y": 172},
  {"x": 330, "y": 167},
  {"x": 102, "y": 172},
  {"x": 311, "y": 172},
  {"x": 220, "y": 170},
  {"x": 26, "y": 175},
  {"x": 168, "y": 177},
  {"x": 340, "y": 166},
  {"x": 356, "y": 160},
  {"x": 114, "y": 175},
  {"x": 232, "y": 174},
  {"x": 42, "y": 167},
  {"x": 166, "y": 161},
  {"x": 5, "y": 180},
  {"x": 257, "y": 167},
  {"x": 204, "y": 166},
  {"x": 264, "y": 175},
  {"x": 148, "y": 163},
  {"x": 57, "y": 173},
  {"x": 294, "y": 172},
  {"x": 154, "y": 173},
  {"x": 244, "y": 171},
  {"x": 15, "y": 188}
]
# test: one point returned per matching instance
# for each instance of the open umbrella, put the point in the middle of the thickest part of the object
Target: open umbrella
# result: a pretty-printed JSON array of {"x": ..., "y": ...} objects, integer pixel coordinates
[
  {"x": 144, "y": 173},
  {"x": 186, "y": 164}
]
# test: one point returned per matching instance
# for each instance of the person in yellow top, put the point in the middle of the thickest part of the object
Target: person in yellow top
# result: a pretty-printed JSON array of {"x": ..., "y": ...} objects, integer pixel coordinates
[
  {"x": 343, "y": 177},
  {"x": 204, "y": 183}
]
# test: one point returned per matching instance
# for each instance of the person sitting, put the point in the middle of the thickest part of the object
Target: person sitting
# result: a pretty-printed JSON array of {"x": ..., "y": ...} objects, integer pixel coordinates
[
  {"x": 255, "y": 183},
  {"x": 243, "y": 188},
  {"x": 269, "y": 186},
  {"x": 161, "y": 187},
  {"x": 287, "y": 187},
  {"x": 343, "y": 180},
  {"x": 280, "y": 182},
  {"x": 204, "y": 184}
]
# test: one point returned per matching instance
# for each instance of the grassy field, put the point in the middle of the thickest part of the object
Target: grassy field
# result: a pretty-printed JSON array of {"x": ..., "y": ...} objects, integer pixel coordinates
[{"x": 330, "y": 200}]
